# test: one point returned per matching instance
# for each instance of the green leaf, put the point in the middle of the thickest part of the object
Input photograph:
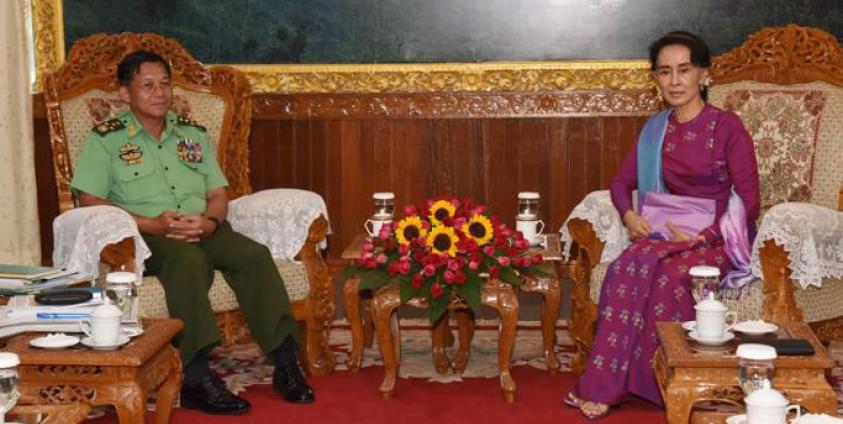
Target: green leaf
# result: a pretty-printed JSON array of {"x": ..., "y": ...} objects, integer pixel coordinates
[
  {"x": 408, "y": 292},
  {"x": 540, "y": 270},
  {"x": 373, "y": 279},
  {"x": 508, "y": 275},
  {"x": 470, "y": 292},
  {"x": 438, "y": 306}
]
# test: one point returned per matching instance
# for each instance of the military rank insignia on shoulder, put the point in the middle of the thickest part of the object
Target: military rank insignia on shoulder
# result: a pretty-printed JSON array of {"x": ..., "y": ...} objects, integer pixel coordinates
[
  {"x": 189, "y": 122},
  {"x": 111, "y": 125}
]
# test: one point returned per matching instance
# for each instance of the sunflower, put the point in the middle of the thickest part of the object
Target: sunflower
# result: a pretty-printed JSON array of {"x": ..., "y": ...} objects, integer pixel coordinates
[
  {"x": 443, "y": 239},
  {"x": 409, "y": 229},
  {"x": 440, "y": 210},
  {"x": 479, "y": 229}
]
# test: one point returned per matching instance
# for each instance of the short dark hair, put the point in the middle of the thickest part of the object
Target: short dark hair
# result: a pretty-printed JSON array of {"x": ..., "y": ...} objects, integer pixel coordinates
[
  {"x": 700, "y": 54},
  {"x": 131, "y": 64}
]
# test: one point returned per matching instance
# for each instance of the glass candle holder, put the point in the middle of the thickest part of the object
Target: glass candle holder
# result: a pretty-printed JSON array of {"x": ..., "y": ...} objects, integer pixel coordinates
[
  {"x": 756, "y": 366},
  {"x": 704, "y": 280},
  {"x": 384, "y": 206},
  {"x": 121, "y": 290},
  {"x": 528, "y": 206}
]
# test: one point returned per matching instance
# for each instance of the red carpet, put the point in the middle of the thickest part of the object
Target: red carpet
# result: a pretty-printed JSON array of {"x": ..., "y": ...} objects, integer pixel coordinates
[{"x": 344, "y": 397}]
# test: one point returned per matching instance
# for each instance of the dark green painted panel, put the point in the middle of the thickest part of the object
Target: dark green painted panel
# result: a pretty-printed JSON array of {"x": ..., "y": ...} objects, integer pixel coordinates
[{"x": 374, "y": 31}]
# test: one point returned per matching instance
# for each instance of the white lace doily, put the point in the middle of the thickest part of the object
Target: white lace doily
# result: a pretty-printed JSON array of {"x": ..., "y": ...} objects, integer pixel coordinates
[
  {"x": 597, "y": 208},
  {"x": 277, "y": 218},
  {"x": 80, "y": 234},
  {"x": 811, "y": 235}
]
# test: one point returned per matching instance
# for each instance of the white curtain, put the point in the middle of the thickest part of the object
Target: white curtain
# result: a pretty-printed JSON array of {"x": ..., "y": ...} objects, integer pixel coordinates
[{"x": 19, "y": 239}]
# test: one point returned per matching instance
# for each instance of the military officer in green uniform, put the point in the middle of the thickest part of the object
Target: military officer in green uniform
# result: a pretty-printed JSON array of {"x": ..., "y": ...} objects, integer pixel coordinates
[{"x": 161, "y": 169}]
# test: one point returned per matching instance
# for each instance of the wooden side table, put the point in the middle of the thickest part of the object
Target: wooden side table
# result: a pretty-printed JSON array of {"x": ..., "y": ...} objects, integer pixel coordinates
[
  {"x": 122, "y": 378},
  {"x": 359, "y": 314},
  {"x": 495, "y": 294},
  {"x": 685, "y": 377}
]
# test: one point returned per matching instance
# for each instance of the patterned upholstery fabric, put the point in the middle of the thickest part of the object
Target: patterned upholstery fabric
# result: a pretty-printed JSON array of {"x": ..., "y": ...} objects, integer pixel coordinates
[
  {"x": 153, "y": 303},
  {"x": 796, "y": 130}
]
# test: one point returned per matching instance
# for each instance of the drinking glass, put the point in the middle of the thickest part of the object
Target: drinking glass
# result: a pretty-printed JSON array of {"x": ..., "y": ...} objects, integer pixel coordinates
[
  {"x": 705, "y": 280},
  {"x": 9, "y": 393}
]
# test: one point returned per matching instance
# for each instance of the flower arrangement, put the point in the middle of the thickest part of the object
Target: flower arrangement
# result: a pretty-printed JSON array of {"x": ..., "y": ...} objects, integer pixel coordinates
[{"x": 442, "y": 249}]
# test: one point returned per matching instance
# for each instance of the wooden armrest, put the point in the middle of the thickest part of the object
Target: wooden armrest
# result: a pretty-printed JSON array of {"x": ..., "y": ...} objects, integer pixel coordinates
[
  {"x": 321, "y": 286},
  {"x": 583, "y": 234},
  {"x": 779, "y": 289},
  {"x": 120, "y": 254}
]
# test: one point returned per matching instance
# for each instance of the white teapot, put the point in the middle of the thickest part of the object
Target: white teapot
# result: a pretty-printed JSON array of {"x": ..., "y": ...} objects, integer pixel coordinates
[
  {"x": 711, "y": 319},
  {"x": 768, "y": 406}
]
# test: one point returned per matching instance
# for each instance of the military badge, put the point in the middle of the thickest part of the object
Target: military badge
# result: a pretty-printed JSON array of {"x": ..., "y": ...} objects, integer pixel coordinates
[
  {"x": 131, "y": 154},
  {"x": 190, "y": 151},
  {"x": 106, "y": 127}
]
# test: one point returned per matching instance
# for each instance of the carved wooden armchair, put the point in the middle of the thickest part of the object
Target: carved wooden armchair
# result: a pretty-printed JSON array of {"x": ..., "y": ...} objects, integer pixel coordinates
[
  {"x": 786, "y": 84},
  {"x": 83, "y": 92}
]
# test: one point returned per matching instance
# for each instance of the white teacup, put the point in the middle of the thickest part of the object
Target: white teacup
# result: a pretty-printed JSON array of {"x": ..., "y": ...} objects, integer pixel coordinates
[
  {"x": 768, "y": 406},
  {"x": 531, "y": 229},
  {"x": 373, "y": 225},
  {"x": 103, "y": 325},
  {"x": 711, "y": 319}
]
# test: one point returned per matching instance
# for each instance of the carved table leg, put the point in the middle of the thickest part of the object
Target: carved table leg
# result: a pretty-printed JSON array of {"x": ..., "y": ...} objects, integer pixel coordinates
[
  {"x": 678, "y": 409},
  {"x": 438, "y": 342},
  {"x": 386, "y": 327},
  {"x": 169, "y": 389},
  {"x": 465, "y": 320},
  {"x": 551, "y": 302},
  {"x": 368, "y": 322},
  {"x": 351, "y": 303},
  {"x": 131, "y": 405},
  {"x": 503, "y": 299}
]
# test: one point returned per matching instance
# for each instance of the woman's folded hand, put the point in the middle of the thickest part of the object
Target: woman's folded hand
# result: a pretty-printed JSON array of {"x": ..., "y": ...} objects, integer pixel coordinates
[
  {"x": 679, "y": 235},
  {"x": 636, "y": 225}
]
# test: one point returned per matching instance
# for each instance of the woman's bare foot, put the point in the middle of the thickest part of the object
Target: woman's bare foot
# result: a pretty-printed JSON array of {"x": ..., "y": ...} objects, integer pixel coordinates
[
  {"x": 594, "y": 410},
  {"x": 572, "y": 400}
]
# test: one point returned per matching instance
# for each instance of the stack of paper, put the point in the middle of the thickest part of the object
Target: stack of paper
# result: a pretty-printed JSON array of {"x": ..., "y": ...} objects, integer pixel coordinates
[{"x": 23, "y": 286}]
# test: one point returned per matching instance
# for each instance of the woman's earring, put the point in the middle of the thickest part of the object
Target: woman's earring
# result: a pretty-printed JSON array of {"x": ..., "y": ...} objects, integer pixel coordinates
[{"x": 706, "y": 81}]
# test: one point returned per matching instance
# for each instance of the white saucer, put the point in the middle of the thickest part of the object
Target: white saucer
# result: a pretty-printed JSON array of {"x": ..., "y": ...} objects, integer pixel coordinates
[
  {"x": 693, "y": 334},
  {"x": 689, "y": 325},
  {"x": 123, "y": 339},
  {"x": 736, "y": 419},
  {"x": 755, "y": 327},
  {"x": 131, "y": 331},
  {"x": 54, "y": 341}
]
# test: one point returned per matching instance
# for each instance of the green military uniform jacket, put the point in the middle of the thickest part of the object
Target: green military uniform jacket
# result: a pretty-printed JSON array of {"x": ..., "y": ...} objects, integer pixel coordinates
[{"x": 122, "y": 163}]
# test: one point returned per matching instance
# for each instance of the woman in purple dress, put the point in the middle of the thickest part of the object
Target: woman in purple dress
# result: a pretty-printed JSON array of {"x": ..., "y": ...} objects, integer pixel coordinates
[{"x": 701, "y": 151}]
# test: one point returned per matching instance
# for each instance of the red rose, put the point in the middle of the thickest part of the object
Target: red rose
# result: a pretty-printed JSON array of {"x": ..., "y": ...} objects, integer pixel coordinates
[
  {"x": 404, "y": 268},
  {"x": 410, "y": 210},
  {"x": 449, "y": 276},
  {"x": 403, "y": 250},
  {"x": 504, "y": 260},
  {"x": 473, "y": 265},
  {"x": 436, "y": 290},
  {"x": 459, "y": 277},
  {"x": 494, "y": 271},
  {"x": 538, "y": 259},
  {"x": 489, "y": 250},
  {"x": 454, "y": 264},
  {"x": 417, "y": 281},
  {"x": 381, "y": 258},
  {"x": 368, "y": 247},
  {"x": 429, "y": 270}
]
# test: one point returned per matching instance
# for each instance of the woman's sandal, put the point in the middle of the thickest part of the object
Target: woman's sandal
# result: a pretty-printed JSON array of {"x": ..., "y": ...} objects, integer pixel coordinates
[
  {"x": 572, "y": 401},
  {"x": 594, "y": 416}
]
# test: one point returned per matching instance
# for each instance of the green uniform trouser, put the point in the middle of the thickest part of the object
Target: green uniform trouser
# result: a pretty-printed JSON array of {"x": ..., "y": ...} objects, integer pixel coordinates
[{"x": 186, "y": 270}]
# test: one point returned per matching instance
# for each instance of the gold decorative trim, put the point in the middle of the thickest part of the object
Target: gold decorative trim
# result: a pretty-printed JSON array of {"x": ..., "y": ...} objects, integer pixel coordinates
[
  {"x": 449, "y": 77},
  {"x": 48, "y": 27},
  {"x": 48, "y": 30}
]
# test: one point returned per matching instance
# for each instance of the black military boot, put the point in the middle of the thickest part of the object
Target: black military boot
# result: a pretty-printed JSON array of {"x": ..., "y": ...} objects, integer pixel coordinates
[
  {"x": 289, "y": 381},
  {"x": 211, "y": 396}
]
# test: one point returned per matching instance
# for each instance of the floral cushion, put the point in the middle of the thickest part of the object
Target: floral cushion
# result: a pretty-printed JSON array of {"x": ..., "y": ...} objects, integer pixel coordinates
[{"x": 784, "y": 126}]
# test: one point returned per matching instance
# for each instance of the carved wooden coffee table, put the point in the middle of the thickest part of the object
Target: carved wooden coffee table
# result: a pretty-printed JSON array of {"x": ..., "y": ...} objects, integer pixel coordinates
[
  {"x": 495, "y": 294},
  {"x": 359, "y": 314},
  {"x": 122, "y": 378},
  {"x": 686, "y": 377}
]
